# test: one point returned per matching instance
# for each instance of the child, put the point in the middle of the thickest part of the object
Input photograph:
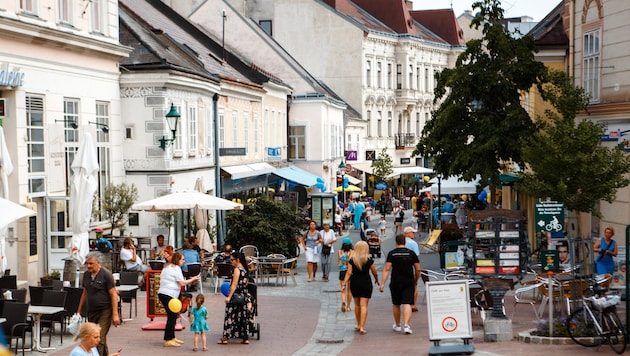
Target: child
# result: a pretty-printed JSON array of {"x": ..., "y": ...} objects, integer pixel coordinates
[
  {"x": 374, "y": 243},
  {"x": 382, "y": 225},
  {"x": 343, "y": 256},
  {"x": 198, "y": 323},
  {"x": 339, "y": 222}
]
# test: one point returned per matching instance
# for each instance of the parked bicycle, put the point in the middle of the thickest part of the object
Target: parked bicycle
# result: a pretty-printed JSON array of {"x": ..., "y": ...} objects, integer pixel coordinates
[{"x": 597, "y": 321}]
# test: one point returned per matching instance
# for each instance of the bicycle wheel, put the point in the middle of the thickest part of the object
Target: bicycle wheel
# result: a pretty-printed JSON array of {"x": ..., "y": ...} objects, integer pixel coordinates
[
  {"x": 616, "y": 333},
  {"x": 581, "y": 328}
]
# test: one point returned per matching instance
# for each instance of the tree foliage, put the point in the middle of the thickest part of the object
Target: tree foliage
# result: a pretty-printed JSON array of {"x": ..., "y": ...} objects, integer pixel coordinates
[
  {"x": 480, "y": 120},
  {"x": 117, "y": 200},
  {"x": 271, "y": 226},
  {"x": 382, "y": 167},
  {"x": 566, "y": 161}
]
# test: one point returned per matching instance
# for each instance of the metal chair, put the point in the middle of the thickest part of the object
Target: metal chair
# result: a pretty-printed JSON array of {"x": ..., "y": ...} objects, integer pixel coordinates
[
  {"x": 16, "y": 324},
  {"x": 194, "y": 269},
  {"x": 527, "y": 295},
  {"x": 129, "y": 278},
  {"x": 287, "y": 270},
  {"x": 224, "y": 270},
  {"x": 251, "y": 254},
  {"x": 73, "y": 298},
  {"x": 36, "y": 293},
  {"x": 54, "y": 298}
]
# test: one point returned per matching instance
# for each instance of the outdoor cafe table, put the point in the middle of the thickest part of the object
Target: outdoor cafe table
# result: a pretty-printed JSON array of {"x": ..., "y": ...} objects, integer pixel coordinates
[
  {"x": 37, "y": 311},
  {"x": 266, "y": 266}
]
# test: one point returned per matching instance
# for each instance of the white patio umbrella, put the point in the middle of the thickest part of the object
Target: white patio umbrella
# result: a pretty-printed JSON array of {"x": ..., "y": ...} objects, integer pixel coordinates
[
  {"x": 6, "y": 167},
  {"x": 201, "y": 219},
  {"x": 84, "y": 184},
  {"x": 11, "y": 212},
  {"x": 186, "y": 200}
]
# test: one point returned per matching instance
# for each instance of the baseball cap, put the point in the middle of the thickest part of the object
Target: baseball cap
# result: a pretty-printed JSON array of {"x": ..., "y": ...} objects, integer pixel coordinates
[
  {"x": 346, "y": 241},
  {"x": 409, "y": 229}
]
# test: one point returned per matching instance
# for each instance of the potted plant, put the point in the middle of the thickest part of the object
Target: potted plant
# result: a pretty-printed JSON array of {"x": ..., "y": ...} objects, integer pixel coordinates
[{"x": 47, "y": 279}]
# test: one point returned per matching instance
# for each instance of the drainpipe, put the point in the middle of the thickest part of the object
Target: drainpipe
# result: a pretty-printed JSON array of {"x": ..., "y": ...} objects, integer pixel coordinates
[{"x": 217, "y": 171}]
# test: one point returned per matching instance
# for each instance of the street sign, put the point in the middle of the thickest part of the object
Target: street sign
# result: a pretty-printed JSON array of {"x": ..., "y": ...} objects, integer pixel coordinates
[
  {"x": 550, "y": 261},
  {"x": 549, "y": 216}
]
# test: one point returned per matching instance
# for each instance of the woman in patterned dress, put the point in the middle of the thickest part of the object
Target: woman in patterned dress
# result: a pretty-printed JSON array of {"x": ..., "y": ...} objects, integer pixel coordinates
[{"x": 237, "y": 317}]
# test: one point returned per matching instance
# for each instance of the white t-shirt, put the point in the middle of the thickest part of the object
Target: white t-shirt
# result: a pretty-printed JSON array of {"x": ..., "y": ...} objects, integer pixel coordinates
[
  {"x": 126, "y": 254},
  {"x": 168, "y": 280},
  {"x": 328, "y": 236}
]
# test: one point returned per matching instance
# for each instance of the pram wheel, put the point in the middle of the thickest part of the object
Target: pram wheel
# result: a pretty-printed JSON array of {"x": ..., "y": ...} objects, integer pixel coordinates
[{"x": 254, "y": 329}]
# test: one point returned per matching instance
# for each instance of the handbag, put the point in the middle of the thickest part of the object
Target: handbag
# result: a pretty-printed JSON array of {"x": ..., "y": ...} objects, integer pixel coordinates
[
  {"x": 401, "y": 213},
  {"x": 238, "y": 299},
  {"x": 325, "y": 249}
]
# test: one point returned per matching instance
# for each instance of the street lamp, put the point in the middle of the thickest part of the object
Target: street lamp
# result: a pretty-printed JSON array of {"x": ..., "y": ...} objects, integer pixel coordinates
[
  {"x": 342, "y": 171},
  {"x": 172, "y": 117}
]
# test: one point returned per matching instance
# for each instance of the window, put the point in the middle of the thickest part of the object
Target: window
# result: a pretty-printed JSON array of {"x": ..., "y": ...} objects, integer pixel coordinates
[
  {"x": 209, "y": 132},
  {"x": 71, "y": 135},
  {"x": 97, "y": 16},
  {"x": 193, "y": 129},
  {"x": 368, "y": 116},
  {"x": 400, "y": 126},
  {"x": 29, "y": 6},
  {"x": 221, "y": 128},
  {"x": 234, "y": 128},
  {"x": 266, "y": 26},
  {"x": 65, "y": 11},
  {"x": 267, "y": 123},
  {"x": 591, "y": 64},
  {"x": 418, "y": 130},
  {"x": 411, "y": 76},
  {"x": 246, "y": 131},
  {"x": 426, "y": 79},
  {"x": 35, "y": 145},
  {"x": 389, "y": 124},
  {"x": 398, "y": 76},
  {"x": 368, "y": 74},
  {"x": 379, "y": 75},
  {"x": 256, "y": 133},
  {"x": 418, "y": 78},
  {"x": 178, "y": 145},
  {"x": 349, "y": 142},
  {"x": 297, "y": 142},
  {"x": 390, "y": 76},
  {"x": 104, "y": 153},
  {"x": 379, "y": 123}
]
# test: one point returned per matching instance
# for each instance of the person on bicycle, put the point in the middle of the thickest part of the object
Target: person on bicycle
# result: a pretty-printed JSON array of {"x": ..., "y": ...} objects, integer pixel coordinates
[{"x": 606, "y": 247}]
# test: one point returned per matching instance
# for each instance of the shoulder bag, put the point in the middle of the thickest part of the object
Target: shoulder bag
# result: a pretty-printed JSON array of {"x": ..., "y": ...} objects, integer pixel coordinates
[{"x": 238, "y": 299}]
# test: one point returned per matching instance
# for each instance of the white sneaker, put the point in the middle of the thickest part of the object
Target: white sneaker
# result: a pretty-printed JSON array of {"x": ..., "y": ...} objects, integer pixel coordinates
[
  {"x": 407, "y": 329},
  {"x": 396, "y": 327}
]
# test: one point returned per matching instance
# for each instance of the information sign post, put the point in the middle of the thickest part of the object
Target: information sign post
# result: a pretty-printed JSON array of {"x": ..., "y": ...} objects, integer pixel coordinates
[{"x": 449, "y": 316}]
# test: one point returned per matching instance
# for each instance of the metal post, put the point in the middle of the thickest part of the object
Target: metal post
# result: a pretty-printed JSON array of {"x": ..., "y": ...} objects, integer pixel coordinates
[{"x": 343, "y": 187}]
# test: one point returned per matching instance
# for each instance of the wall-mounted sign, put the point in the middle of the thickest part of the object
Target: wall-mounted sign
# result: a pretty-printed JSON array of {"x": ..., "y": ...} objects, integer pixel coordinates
[
  {"x": 370, "y": 155},
  {"x": 11, "y": 77},
  {"x": 233, "y": 151},
  {"x": 274, "y": 153},
  {"x": 352, "y": 155},
  {"x": 405, "y": 160}
]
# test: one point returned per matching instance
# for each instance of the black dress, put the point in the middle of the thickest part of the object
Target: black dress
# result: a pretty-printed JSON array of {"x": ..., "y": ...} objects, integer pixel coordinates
[
  {"x": 237, "y": 317},
  {"x": 360, "y": 281}
]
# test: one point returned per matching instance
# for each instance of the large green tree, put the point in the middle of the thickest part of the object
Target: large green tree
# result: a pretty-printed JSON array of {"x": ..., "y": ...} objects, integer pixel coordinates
[
  {"x": 480, "y": 120},
  {"x": 382, "y": 167},
  {"x": 566, "y": 161}
]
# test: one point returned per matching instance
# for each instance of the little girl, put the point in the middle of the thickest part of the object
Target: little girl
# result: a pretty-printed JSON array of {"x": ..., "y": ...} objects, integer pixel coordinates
[
  {"x": 344, "y": 254},
  {"x": 382, "y": 225},
  {"x": 198, "y": 323}
]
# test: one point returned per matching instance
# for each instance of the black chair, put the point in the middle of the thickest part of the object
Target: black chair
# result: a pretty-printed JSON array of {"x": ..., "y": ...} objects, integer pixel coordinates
[
  {"x": 57, "y": 284},
  {"x": 54, "y": 298},
  {"x": 19, "y": 295},
  {"x": 17, "y": 324},
  {"x": 36, "y": 294},
  {"x": 73, "y": 298},
  {"x": 8, "y": 282},
  {"x": 224, "y": 270},
  {"x": 129, "y": 278},
  {"x": 194, "y": 269}
]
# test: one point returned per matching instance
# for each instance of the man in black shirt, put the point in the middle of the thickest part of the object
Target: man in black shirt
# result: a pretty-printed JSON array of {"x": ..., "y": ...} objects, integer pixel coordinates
[
  {"x": 224, "y": 257},
  {"x": 405, "y": 269}
]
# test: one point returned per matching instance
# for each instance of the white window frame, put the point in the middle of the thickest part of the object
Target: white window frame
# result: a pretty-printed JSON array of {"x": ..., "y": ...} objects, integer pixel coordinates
[
  {"x": 209, "y": 147},
  {"x": 193, "y": 131},
  {"x": 221, "y": 116},
  {"x": 36, "y": 145},
  {"x": 297, "y": 140},
  {"x": 234, "y": 128},
  {"x": 368, "y": 73},
  {"x": 246, "y": 131},
  {"x": 66, "y": 11},
  {"x": 592, "y": 62},
  {"x": 256, "y": 135},
  {"x": 98, "y": 16}
]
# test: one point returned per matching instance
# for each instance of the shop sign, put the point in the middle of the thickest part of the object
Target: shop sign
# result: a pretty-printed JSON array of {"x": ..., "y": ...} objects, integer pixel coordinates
[{"x": 11, "y": 77}]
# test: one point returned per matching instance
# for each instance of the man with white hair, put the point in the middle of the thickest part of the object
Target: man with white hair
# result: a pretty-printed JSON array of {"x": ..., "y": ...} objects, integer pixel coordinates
[{"x": 410, "y": 234}]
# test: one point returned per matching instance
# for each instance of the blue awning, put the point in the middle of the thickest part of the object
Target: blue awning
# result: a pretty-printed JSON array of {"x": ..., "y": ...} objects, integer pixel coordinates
[{"x": 297, "y": 175}]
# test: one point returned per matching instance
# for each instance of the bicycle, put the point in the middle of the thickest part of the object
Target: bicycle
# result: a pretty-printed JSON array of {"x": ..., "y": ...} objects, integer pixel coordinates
[{"x": 597, "y": 321}]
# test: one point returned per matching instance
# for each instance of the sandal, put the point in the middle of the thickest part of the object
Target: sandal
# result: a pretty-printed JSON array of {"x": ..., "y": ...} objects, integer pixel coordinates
[
  {"x": 195, "y": 349},
  {"x": 246, "y": 342},
  {"x": 204, "y": 349},
  {"x": 343, "y": 307},
  {"x": 222, "y": 341}
]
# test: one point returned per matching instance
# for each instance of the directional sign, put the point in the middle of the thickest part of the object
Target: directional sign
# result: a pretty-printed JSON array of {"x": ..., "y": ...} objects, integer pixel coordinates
[{"x": 550, "y": 216}]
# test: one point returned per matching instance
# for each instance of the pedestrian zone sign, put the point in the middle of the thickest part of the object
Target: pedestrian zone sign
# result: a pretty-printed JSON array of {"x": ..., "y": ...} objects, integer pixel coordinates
[{"x": 549, "y": 216}]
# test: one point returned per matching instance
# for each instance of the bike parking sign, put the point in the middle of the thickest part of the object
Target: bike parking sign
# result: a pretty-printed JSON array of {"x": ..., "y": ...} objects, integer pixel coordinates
[{"x": 549, "y": 216}]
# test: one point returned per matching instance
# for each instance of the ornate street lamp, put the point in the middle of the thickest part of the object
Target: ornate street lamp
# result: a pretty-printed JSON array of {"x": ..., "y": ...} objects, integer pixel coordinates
[{"x": 172, "y": 117}]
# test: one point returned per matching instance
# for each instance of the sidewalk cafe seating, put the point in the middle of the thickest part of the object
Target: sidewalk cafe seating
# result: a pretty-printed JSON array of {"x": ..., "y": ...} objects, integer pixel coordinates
[
  {"x": 129, "y": 278},
  {"x": 287, "y": 270},
  {"x": 527, "y": 295},
  {"x": 17, "y": 324},
  {"x": 432, "y": 241},
  {"x": 54, "y": 298},
  {"x": 223, "y": 271},
  {"x": 194, "y": 269}
]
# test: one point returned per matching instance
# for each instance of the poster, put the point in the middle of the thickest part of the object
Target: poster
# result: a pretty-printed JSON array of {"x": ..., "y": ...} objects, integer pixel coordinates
[{"x": 448, "y": 310}]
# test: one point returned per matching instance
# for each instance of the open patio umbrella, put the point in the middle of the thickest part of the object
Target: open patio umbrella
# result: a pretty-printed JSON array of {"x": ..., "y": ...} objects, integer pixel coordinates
[
  {"x": 6, "y": 167},
  {"x": 349, "y": 189},
  {"x": 201, "y": 219},
  {"x": 83, "y": 186},
  {"x": 186, "y": 200}
]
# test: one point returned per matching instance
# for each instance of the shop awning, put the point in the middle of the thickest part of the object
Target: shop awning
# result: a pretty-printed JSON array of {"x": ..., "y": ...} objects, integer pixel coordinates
[
  {"x": 453, "y": 185},
  {"x": 410, "y": 170},
  {"x": 365, "y": 167},
  {"x": 352, "y": 180},
  {"x": 249, "y": 170},
  {"x": 297, "y": 175}
]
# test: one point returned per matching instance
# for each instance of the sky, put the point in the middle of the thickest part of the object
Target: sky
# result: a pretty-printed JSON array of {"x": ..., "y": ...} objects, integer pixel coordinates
[{"x": 537, "y": 9}]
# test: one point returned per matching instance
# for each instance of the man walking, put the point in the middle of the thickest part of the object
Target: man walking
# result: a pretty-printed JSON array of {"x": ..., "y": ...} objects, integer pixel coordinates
[
  {"x": 101, "y": 298},
  {"x": 410, "y": 243},
  {"x": 405, "y": 269}
]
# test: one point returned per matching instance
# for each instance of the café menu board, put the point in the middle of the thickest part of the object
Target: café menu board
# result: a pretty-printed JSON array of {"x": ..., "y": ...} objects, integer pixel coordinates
[
  {"x": 154, "y": 306},
  {"x": 497, "y": 252}
]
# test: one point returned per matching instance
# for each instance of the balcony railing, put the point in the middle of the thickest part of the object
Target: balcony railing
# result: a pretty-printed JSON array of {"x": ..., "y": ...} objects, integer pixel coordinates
[{"x": 405, "y": 140}]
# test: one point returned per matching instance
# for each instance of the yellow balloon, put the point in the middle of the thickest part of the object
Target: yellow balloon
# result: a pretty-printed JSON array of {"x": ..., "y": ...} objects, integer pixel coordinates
[
  {"x": 426, "y": 178},
  {"x": 175, "y": 305}
]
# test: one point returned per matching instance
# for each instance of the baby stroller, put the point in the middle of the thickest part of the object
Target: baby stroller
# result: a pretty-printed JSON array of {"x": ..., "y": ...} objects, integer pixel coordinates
[
  {"x": 254, "y": 327},
  {"x": 374, "y": 242}
]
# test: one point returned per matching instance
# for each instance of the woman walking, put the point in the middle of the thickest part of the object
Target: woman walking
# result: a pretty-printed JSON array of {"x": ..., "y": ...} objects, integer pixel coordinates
[
  {"x": 606, "y": 247},
  {"x": 328, "y": 239},
  {"x": 237, "y": 315},
  {"x": 171, "y": 282},
  {"x": 311, "y": 241},
  {"x": 359, "y": 267},
  {"x": 343, "y": 256}
]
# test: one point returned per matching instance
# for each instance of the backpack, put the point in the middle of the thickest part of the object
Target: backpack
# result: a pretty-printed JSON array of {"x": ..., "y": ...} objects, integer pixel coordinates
[{"x": 103, "y": 245}]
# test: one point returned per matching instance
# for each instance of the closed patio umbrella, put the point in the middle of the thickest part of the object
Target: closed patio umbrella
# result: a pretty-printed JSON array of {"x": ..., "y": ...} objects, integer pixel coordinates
[
  {"x": 84, "y": 184},
  {"x": 6, "y": 167},
  {"x": 201, "y": 219}
]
